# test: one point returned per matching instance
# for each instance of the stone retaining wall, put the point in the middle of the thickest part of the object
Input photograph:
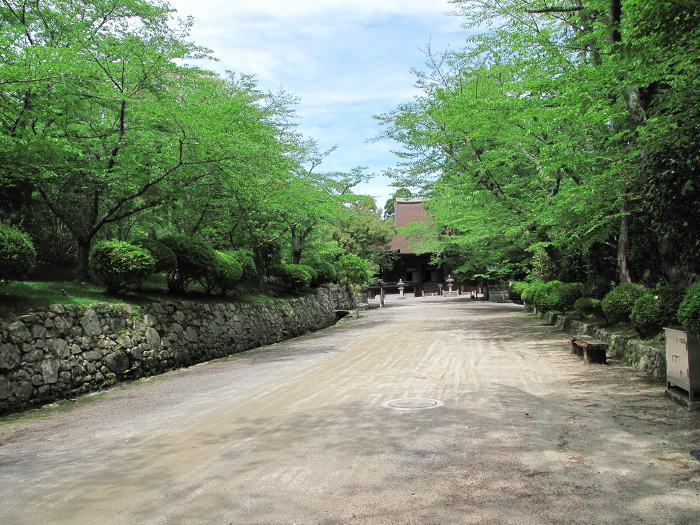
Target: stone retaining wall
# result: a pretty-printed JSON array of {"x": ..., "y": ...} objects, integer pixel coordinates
[
  {"x": 630, "y": 350},
  {"x": 68, "y": 350}
]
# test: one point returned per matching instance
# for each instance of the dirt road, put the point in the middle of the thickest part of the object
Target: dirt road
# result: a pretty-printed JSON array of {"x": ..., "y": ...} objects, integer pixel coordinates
[{"x": 300, "y": 432}]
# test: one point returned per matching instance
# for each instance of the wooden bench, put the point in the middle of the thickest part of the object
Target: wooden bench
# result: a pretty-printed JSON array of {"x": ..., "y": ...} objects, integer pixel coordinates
[{"x": 592, "y": 350}]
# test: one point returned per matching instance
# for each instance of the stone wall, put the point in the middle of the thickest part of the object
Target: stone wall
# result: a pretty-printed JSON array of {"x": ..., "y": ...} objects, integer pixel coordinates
[
  {"x": 648, "y": 359},
  {"x": 68, "y": 350}
]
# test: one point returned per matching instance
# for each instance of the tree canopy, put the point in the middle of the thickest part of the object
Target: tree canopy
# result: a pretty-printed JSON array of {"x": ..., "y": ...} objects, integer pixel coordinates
[{"x": 566, "y": 130}]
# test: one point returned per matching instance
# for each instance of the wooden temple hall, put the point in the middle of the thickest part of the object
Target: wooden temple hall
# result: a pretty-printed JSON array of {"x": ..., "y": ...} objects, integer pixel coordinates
[{"x": 415, "y": 270}]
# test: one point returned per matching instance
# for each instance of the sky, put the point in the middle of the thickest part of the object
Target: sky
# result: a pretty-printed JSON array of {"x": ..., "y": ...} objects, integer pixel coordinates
[{"x": 347, "y": 60}]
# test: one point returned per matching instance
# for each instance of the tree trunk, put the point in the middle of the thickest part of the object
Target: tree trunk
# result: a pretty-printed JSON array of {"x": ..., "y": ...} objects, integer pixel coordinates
[
  {"x": 623, "y": 243},
  {"x": 84, "y": 258},
  {"x": 296, "y": 246}
]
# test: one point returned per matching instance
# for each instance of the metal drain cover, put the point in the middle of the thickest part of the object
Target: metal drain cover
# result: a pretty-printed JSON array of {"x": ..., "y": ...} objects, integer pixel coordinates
[{"x": 412, "y": 403}]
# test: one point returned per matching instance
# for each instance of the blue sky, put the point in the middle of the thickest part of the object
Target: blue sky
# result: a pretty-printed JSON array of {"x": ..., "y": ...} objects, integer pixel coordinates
[{"x": 347, "y": 60}]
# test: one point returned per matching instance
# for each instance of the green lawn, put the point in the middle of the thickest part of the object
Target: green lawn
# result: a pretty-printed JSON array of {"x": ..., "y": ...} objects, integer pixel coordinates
[{"x": 19, "y": 297}]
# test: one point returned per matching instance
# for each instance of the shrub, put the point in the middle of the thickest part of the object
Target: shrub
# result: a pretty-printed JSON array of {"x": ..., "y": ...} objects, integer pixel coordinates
[
  {"x": 529, "y": 291},
  {"x": 223, "y": 274},
  {"x": 119, "y": 264},
  {"x": 556, "y": 295},
  {"x": 516, "y": 290},
  {"x": 17, "y": 253},
  {"x": 595, "y": 288},
  {"x": 670, "y": 298},
  {"x": 165, "y": 258},
  {"x": 245, "y": 258},
  {"x": 618, "y": 302},
  {"x": 194, "y": 259},
  {"x": 647, "y": 315},
  {"x": 588, "y": 306},
  {"x": 325, "y": 271},
  {"x": 293, "y": 276},
  {"x": 353, "y": 270},
  {"x": 689, "y": 311}
]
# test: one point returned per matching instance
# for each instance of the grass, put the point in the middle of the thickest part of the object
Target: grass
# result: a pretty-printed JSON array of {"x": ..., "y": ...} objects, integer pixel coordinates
[{"x": 17, "y": 298}]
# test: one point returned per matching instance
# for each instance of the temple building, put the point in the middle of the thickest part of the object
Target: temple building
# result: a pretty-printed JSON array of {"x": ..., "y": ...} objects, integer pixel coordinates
[{"x": 414, "y": 269}]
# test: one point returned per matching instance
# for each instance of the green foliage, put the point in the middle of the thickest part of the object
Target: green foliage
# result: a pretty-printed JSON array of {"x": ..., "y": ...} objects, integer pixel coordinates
[
  {"x": 245, "y": 258},
  {"x": 618, "y": 302},
  {"x": 647, "y": 315},
  {"x": 555, "y": 295},
  {"x": 552, "y": 137},
  {"x": 353, "y": 270},
  {"x": 529, "y": 291},
  {"x": 17, "y": 253},
  {"x": 195, "y": 258},
  {"x": 516, "y": 290},
  {"x": 596, "y": 287},
  {"x": 223, "y": 274},
  {"x": 670, "y": 298},
  {"x": 325, "y": 271},
  {"x": 588, "y": 306},
  {"x": 293, "y": 276},
  {"x": 166, "y": 261},
  {"x": 119, "y": 264},
  {"x": 689, "y": 311}
]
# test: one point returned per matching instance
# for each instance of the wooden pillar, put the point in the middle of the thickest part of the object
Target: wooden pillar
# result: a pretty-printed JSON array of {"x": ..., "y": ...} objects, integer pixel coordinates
[{"x": 381, "y": 296}]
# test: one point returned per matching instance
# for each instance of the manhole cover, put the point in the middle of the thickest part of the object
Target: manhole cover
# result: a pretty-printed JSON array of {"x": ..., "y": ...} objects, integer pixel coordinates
[{"x": 412, "y": 403}]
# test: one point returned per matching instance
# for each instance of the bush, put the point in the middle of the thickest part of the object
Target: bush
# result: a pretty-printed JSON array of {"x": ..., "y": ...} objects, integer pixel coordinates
[
  {"x": 353, "y": 270},
  {"x": 194, "y": 259},
  {"x": 618, "y": 302},
  {"x": 325, "y": 272},
  {"x": 689, "y": 311},
  {"x": 588, "y": 306},
  {"x": 224, "y": 274},
  {"x": 165, "y": 258},
  {"x": 17, "y": 253},
  {"x": 528, "y": 292},
  {"x": 595, "y": 288},
  {"x": 516, "y": 290},
  {"x": 647, "y": 315},
  {"x": 556, "y": 295},
  {"x": 293, "y": 276},
  {"x": 670, "y": 298},
  {"x": 245, "y": 258},
  {"x": 119, "y": 264}
]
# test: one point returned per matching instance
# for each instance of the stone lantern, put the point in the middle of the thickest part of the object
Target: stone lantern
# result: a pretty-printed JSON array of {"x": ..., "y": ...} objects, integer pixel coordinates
[
  {"x": 401, "y": 286},
  {"x": 450, "y": 281}
]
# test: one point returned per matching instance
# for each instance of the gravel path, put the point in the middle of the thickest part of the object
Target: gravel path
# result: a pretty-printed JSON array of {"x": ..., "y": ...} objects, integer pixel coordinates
[{"x": 299, "y": 432}]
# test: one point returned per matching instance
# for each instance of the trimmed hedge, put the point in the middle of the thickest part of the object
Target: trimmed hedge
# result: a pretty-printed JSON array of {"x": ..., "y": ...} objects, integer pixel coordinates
[
  {"x": 194, "y": 259},
  {"x": 670, "y": 298},
  {"x": 293, "y": 276},
  {"x": 224, "y": 274},
  {"x": 528, "y": 292},
  {"x": 588, "y": 306},
  {"x": 556, "y": 295},
  {"x": 618, "y": 302},
  {"x": 17, "y": 253},
  {"x": 165, "y": 258},
  {"x": 516, "y": 290},
  {"x": 647, "y": 315},
  {"x": 120, "y": 265},
  {"x": 689, "y": 311}
]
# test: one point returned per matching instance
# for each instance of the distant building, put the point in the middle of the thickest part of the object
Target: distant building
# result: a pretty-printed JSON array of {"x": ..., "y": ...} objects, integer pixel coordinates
[{"x": 415, "y": 270}]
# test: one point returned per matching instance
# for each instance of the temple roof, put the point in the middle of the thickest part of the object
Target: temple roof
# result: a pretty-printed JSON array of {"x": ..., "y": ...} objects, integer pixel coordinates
[{"x": 407, "y": 211}]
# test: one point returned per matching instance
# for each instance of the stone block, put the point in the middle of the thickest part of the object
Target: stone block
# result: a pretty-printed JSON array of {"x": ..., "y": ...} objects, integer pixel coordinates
[
  {"x": 49, "y": 370},
  {"x": 10, "y": 356},
  {"x": 18, "y": 332},
  {"x": 91, "y": 323},
  {"x": 117, "y": 362},
  {"x": 58, "y": 347}
]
